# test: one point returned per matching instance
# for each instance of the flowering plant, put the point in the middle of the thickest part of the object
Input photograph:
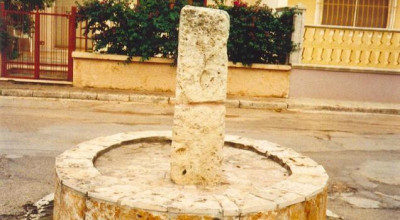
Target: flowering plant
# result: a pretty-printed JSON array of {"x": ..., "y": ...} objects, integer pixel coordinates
[{"x": 239, "y": 3}]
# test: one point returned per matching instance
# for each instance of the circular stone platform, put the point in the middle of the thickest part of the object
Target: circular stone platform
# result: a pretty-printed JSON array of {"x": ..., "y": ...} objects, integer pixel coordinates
[{"x": 126, "y": 176}]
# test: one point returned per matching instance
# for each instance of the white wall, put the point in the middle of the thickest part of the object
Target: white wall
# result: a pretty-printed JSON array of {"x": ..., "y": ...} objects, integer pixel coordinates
[{"x": 275, "y": 3}]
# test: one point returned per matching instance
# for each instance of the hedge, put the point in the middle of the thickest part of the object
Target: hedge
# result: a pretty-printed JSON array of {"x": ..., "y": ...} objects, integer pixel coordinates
[{"x": 257, "y": 34}]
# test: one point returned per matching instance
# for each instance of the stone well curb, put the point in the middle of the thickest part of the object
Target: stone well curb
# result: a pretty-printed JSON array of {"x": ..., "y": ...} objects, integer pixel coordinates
[
  {"x": 83, "y": 192},
  {"x": 267, "y": 104}
]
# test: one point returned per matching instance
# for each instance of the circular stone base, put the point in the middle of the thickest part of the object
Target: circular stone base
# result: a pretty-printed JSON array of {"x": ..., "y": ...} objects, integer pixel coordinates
[{"x": 126, "y": 176}]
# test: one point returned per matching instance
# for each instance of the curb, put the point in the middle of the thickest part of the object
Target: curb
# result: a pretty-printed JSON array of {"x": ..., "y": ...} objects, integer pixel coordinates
[
  {"x": 268, "y": 104},
  {"x": 392, "y": 109}
]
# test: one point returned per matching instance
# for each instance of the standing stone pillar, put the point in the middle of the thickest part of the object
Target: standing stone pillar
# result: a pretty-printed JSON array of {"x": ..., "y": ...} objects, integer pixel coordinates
[{"x": 199, "y": 119}]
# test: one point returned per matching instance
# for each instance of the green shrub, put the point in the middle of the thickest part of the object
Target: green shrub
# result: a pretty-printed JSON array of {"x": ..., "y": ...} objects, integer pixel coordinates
[
  {"x": 147, "y": 30},
  {"x": 257, "y": 35}
]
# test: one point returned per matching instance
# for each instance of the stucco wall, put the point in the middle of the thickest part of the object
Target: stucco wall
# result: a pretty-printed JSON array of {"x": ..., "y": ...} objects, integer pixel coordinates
[
  {"x": 110, "y": 71},
  {"x": 259, "y": 80},
  {"x": 345, "y": 85},
  {"x": 397, "y": 19},
  {"x": 310, "y": 5},
  {"x": 158, "y": 75}
]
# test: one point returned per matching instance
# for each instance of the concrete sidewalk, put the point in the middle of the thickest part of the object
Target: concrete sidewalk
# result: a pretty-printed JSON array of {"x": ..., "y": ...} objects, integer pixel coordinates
[{"x": 276, "y": 104}]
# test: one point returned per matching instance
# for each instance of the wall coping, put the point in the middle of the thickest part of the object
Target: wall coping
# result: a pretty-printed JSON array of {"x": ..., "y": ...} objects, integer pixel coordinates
[
  {"x": 353, "y": 28},
  {"x": 114, "y": 57},
  {"x": 369, "y": 70}
]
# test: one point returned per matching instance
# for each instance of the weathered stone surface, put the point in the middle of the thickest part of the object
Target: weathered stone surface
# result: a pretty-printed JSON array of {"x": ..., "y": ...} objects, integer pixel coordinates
[
  {"x": 69, "y": 204},
  {"x": 305, "y": 189},
  {"x": 297, "y": 211},
  {"x": 50, "y": 94},
  {"x": 271, "y": 105},
  {"x": 149, "y": 200},
  {"x": 198, "y": 138},
  {"x": 17, "y": 92},
  {"x": 149, "y": 98},
  {"x": 229, "y": 208},
  {"x": 98, "y": 209},
  {"x": 85, "y": 192},
  {"x": 114, "y": 192},
  {"x": 128, "y": 213},
  {"x": 196, "y": 205},
  {"x": 57, "y": 199},
  {"x": 202, "y": 55},
  {"x": 271, "y": 215},
  {"x": 280, "y": 197},
  {"x": 248, "y": 203},
  {"x": 83, "y": 95},
  {"x": 113, "y": 97}
]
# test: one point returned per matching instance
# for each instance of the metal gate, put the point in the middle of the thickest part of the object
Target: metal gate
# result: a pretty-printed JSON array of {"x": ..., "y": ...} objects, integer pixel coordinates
[{"x": 41, "y": 44}]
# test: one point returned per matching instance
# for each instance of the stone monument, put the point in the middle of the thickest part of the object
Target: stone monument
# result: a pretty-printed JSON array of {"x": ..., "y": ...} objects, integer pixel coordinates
[
  {"x": 197, "y": 172},
  {"x": 199, "y": 119}
]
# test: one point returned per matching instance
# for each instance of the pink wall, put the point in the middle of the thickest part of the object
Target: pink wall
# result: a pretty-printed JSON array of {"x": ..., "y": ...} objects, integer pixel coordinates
[{"x": 350, "y": 86}]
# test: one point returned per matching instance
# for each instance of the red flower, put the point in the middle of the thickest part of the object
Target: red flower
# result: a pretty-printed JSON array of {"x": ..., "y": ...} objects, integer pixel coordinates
[{"x": 239, "y": 3}]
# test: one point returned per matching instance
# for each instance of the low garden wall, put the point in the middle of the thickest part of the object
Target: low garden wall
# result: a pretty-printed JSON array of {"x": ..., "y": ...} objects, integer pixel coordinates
[{"x": 158, "y": 75}]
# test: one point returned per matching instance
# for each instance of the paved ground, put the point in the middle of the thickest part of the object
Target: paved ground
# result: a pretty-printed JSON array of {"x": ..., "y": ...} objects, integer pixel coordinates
[
  {"x": 20, "y": 89},
  {"x": 361, "y": 152}
]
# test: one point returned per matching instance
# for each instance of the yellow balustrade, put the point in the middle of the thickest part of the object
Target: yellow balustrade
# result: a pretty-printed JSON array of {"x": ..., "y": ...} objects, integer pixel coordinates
[{"x": 351, "y": 47}]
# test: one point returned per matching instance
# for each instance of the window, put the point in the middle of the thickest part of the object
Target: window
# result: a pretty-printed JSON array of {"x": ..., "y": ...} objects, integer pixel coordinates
[{"x": 358, "y": 13}]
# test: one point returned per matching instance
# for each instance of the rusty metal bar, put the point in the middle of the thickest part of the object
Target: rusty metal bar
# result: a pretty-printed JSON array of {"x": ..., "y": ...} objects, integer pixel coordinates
[
  {"x": 3, "y": 53},
  {"x": 71, "y": 41},
  {"x": 37, "y": 44},
  {"x": 86, "y": 35},
  {"x": 33, "y": 13},
  {"x": 31, "y": 63}
]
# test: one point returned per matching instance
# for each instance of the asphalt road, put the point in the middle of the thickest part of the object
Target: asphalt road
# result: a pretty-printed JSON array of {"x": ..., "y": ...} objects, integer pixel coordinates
[{"x": 361, "y": 152}]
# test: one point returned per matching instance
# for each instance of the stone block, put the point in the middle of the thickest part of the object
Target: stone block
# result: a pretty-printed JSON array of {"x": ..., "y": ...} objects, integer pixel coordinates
[
  {"x": 50, "y": 94},
  {"x": 113, "y": 97},
  {"x": 98, "y": 209},
  {"x": 69, "y": 205},
  {"x": 83, "y": 95},
  {"x": 229, "y": 207},
  {"x": 198, "y": 138},
  {"x": 57, "y": 199},
  {"x": 269, "y": 105},
  {"x": 271, "y": 215},
  {"x": 304, "y": 189},
  {"x": 147, "y": 200},
  {"x": 280, "y": 197},
  {"x": 113, "y": 193},
  {"x": 195, "y": 205},
  {"x": 17, "y": 92},
  {"x": 232, "y": 103},
  {"x": 248, "y": 203},
  {"x": 202, "y": 55},
  {"x": 156, "y": 99},
  {"x": 128, "y": 213}
]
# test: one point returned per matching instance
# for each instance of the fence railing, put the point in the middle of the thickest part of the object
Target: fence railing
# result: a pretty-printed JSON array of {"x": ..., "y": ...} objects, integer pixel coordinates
[
  {"x": 349, "y": 46},
  {"x": 40, "y": 43}
]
